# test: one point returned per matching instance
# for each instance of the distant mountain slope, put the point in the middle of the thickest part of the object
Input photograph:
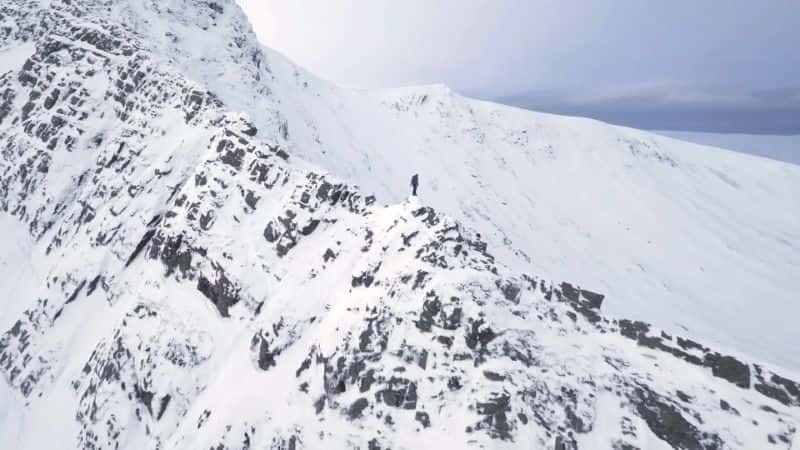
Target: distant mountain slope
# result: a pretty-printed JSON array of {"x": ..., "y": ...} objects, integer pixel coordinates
[
  {"x": 780, "y": 148},
  {"x": 173, "y": 276},
  {"x": 695, "y": 239}
]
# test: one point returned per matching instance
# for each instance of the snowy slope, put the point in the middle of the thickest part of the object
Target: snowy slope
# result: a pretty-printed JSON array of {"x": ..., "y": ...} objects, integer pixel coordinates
[
  {"x": 695, "y": 239},
  {"x": 174, "y": 276},
  {"x": 659, "y": 224}
]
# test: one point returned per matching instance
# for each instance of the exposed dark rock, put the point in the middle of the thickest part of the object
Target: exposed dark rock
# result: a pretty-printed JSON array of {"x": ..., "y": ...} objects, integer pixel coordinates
[
  {"x": 495, "y": 419},
  {"x": 586, "y": 303},
  {"x": 222, "y": 292},
  {"x": 308, "y": 229},
  {"x": 666, "y": 422},
  {"x": 768, "y": 409},
  {"x": 162, "y": 408},
  {"x": 270, "y": 233},
  {"x": 93, "y": 285},
  {"x": 319, "y": 404},
  {"x": 776, "y": 387},
  {"x": 729, "y": 368},
  {"x": 565, "y": 443},
  {"x": 427, "y": 215},
  {"x": 633, "y": 329},
  {"x": 207, "y": 220},
  {"x": 303, "y": 366},
  {"x": 357, "y": 408},
  {"x": 479, "y": 335},
  {"x": 430, "y": 309},
  {"x": 511, "y": 291},
  {"x": 365, "y": 279},
  {"x": 250, "y": 130},
  {"x": 399, "y": 393},
  {"x": 447, "y": 341},
  {"x": 572, "y": 294},
  {"x": 639, "y": 331},
  {"x": 76, "y": 292},
  {"x": 145, "y": 397},
  {"x": 688, "y": 344},
  {"x": 233, "y": 158},
  {"x": 266, "y": 357},
  {"x": 374, "y": 337},
  {"x": 453, "y": 320},
  {"x": 419, "y": 281},
  {"x": 172, "y": 253},
  {"x": 493, "y": 376},
  {"x": 595, "y": 300},
  {"x": 140, "y": 246},
  {"x": 367, "y": 380},
  {"x": 251, "y": 199},
  {"x": 51, "y": 99},
  {"x": 423, "y": 418},
  {"x": 407, "y": 239}
]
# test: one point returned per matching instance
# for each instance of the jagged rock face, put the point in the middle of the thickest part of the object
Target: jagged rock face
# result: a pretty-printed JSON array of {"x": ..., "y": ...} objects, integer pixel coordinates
[{"x": 197, "y": 287}]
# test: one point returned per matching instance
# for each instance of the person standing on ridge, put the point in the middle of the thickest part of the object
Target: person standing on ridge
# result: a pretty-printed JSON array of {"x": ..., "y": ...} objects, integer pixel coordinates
[{"x": 414, "y": 184}]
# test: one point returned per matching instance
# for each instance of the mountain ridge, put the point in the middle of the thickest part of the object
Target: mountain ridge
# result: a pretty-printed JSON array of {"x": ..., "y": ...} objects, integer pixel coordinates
[
  {"x": 654, "y": 204},
  {"x": 194, "y": 284}
]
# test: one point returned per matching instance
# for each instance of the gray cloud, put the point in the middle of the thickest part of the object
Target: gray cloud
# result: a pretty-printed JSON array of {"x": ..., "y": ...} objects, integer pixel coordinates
[
  {"x": 707, "y": 118},
  {"x": 722, "y": 65},
  {"x": 774, "y": 111}
]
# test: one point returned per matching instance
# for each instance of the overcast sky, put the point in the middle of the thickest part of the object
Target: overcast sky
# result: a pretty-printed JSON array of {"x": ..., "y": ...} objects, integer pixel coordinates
[{"x": 715, "y": 65}]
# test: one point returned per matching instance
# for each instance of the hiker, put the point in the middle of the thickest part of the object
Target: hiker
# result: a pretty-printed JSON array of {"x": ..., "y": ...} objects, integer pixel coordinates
[{"x": 414, "y": 184}]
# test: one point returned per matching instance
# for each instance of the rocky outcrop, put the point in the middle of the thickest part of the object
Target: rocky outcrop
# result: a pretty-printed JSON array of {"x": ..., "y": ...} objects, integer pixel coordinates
[{"x": 199, "y": 288}]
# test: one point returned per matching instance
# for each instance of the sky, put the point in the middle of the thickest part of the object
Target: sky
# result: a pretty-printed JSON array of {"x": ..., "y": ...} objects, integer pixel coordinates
[{"x": 710, "y": 65}]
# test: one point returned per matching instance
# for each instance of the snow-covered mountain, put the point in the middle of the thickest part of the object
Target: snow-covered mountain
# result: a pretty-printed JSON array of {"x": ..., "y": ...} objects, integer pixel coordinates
[
  {"x": 696, "y": 239},
  {"x": 187, "y": 261}
]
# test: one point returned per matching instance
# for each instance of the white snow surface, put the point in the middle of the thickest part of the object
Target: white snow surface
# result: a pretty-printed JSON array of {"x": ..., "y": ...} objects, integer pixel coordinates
[
  {"x": 186, "y": 261},
  {"x": 698, "y": 240},
  {"x": 12, "y": 57}
]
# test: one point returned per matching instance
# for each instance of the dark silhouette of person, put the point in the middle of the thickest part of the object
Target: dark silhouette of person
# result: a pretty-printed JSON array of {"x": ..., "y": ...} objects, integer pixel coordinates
[{"x": 414, "y": 184}]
